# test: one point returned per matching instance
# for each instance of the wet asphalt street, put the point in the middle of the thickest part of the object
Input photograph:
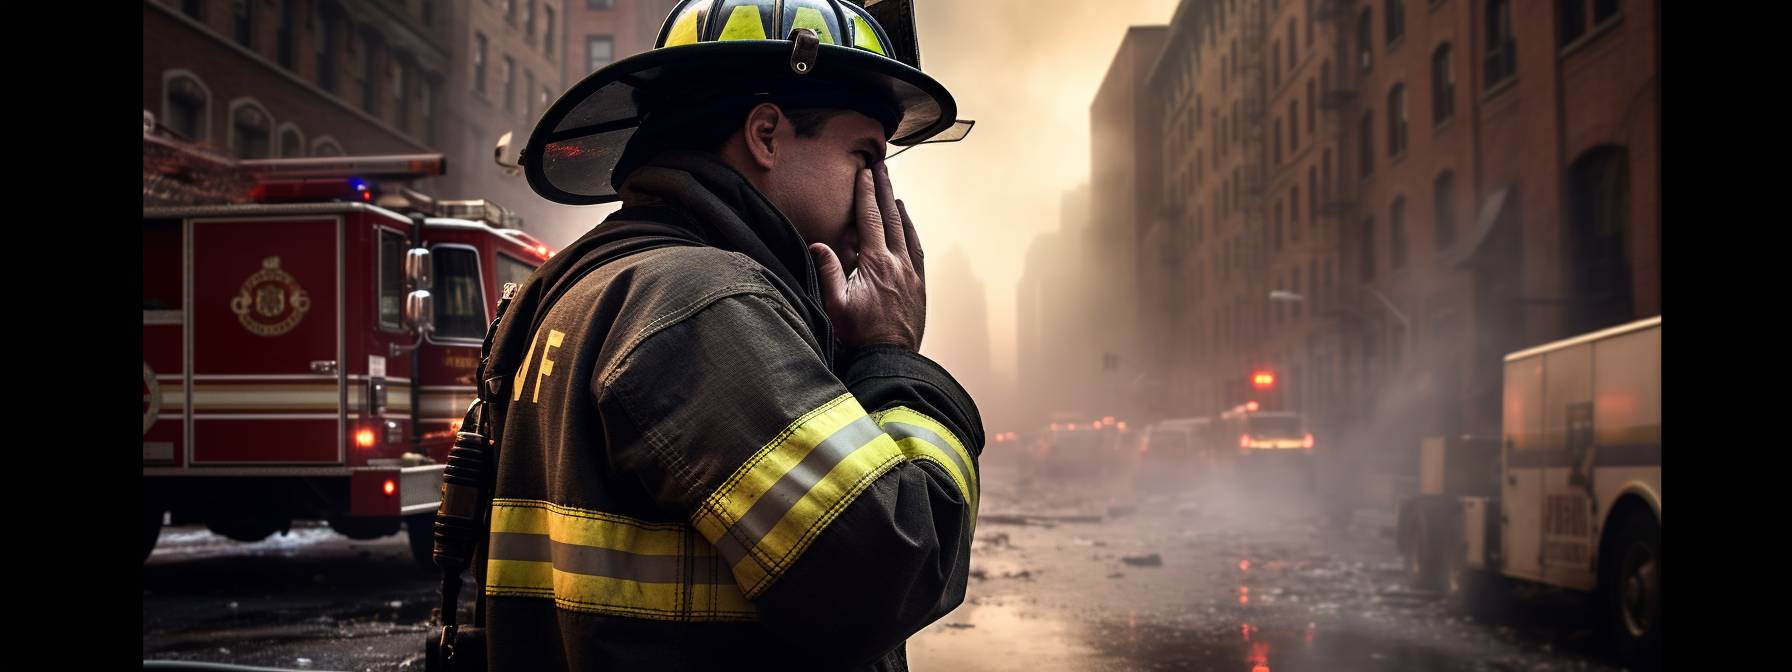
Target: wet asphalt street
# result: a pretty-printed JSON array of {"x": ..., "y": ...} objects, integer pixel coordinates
[{"x": 1096, "y": 575}]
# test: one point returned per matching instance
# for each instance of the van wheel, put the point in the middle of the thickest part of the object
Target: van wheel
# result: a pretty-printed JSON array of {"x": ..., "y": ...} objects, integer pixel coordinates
[{"x": 1630, "y": 582}]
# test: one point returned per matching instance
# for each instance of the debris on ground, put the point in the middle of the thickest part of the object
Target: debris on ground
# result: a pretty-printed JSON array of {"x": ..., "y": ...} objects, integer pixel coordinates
[
  {"x": 961, "y": 625},
  {"x": 1116, "y": 575},
  {"x": 979, "y": 575},
  {"x": 1153, "y": 560}
]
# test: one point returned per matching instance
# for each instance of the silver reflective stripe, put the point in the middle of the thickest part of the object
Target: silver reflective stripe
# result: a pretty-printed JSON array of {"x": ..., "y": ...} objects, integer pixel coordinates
[
  {"x": 605, "y": 562},
  {"x": 777, "y": 501},
  {"x": 903, "y": 430}
]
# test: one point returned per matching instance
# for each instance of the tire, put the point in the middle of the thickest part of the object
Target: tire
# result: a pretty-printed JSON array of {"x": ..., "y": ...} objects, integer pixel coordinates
[
  {"x": 152, "y": 529},
  {"x": 1630, "y": 590},
  {"x": 420, "y": 529}
]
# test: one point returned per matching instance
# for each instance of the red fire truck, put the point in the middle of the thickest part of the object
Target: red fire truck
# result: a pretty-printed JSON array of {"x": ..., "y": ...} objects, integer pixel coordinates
[{"x": 308, "y": 354}]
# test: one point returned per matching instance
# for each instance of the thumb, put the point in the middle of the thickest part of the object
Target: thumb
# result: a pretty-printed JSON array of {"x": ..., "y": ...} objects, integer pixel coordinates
[{"x": 832, "y": 275}]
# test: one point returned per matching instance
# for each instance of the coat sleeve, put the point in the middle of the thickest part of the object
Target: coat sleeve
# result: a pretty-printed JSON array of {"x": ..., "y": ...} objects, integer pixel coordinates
[{"x": 844, "y": 509}]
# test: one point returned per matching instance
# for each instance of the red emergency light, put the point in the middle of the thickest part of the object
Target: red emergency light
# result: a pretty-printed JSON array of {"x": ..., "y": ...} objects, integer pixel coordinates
[
  {"x": 297, "y": 191},
  {"x": 390, "y": 487},
  {"x": 1250, "y": 405},
  {"x": 1263, "y": 380}
]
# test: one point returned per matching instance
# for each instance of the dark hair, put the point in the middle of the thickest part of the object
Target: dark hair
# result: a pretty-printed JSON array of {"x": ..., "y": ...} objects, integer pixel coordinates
[{"x": 707, "y": 129}]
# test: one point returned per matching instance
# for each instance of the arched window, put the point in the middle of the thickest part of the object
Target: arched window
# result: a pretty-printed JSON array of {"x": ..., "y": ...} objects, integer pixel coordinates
[
  {"x": 251, "y": 130},
  {"x": 325, "y": 146},
  {"x": 1366, "y": 143},
  {"x": 1397, "y": 120},
  {"x": 1365, "y": 39},
  {"x": 1396, "y": 20},
  {"x": 1502, "y": 46},
  {"x": 292, "y": 141},
  {"x": 1443, "y": 85},
  {"x": 186, "y": 105},
  {"x": 1443, "y": 198},
  {"x": 1599, "y": 238},
  {"x": 1397, "y": 233}
]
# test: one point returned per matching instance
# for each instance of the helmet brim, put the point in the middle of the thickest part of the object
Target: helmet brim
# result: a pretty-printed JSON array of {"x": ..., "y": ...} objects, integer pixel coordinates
[{"x": 576, "y": 145}]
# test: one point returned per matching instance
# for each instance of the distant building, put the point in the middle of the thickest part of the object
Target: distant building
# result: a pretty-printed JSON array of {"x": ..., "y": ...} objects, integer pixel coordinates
[
  {"x": 603, "y": 31},
  {"x": 1426, "y": 185}
]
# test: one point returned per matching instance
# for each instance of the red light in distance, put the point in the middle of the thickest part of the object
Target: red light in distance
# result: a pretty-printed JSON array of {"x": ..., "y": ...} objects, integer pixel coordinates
[
  {"x": 1263, "y": 380},
  {"x": 1308, "y": 443},
  {"x": 390, "y": 487},
  {"x": 364, "y": 438},
  {"x": 1244, "y": 441}
]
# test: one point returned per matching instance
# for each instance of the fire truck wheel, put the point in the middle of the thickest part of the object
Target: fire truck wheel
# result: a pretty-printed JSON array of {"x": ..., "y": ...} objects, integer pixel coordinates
[
  {"x": 421, "y": 529},
  {"x": 1630, "y": 587},
  {"x": 152, "y": 529}
]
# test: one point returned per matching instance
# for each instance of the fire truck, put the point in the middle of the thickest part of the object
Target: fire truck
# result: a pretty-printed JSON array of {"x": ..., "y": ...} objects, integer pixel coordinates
[
  {"x": 1273, "y": 449},
  {"x": 1568, "y": 496},
  {"x": 308, "y": 353}
]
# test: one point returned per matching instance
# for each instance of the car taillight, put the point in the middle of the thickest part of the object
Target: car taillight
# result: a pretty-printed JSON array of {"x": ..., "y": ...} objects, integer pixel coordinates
[
  {"x": 1308, "y": 443},
  {"x": 1244, "y": 441}
]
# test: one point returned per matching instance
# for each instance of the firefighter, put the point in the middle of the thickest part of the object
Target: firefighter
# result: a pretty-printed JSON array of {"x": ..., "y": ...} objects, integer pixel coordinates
[{"x": 720, "y": 448}]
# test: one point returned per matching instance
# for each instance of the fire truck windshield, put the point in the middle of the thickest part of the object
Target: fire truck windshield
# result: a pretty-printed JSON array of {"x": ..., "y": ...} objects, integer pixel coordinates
[
  {"x": 1272, "y": 427},
  {"x": 459, "y": 299}
]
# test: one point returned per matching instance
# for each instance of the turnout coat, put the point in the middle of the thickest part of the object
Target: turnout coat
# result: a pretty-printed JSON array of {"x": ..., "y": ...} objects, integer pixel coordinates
[{"x": 692, "y": 476}]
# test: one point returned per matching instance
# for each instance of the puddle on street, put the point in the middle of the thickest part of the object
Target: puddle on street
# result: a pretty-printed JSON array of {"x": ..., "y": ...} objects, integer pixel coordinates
[{"x": 999, "y": 634}]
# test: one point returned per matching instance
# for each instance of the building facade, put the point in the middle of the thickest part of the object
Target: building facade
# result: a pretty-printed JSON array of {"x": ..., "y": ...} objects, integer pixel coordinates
[
  {"x": 1374, "y": 201},
  {"x": 603, "y": 31}
]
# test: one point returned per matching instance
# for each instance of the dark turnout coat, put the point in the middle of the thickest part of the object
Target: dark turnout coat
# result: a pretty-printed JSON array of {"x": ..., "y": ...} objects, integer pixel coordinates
[{"x": 691, "y": 477}]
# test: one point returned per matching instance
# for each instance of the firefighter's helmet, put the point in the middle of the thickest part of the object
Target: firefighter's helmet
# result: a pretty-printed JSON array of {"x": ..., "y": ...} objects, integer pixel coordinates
[{"x": 721, "y": 55}]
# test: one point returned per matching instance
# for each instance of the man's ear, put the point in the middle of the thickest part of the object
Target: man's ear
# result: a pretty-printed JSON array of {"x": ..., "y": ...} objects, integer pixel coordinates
[{"x": 760, "y": 134}]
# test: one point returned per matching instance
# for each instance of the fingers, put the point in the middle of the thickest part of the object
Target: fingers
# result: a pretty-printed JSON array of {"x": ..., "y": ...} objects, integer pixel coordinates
[
  {"x": 870, "y": 216},
  {"x": 886, "y": 204},
  {"x": 832, "y": 275},
  {"x": 915, "y": 255}
]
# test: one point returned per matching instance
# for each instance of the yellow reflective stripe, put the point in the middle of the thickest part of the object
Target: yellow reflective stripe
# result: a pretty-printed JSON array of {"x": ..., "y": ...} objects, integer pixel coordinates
[
  {"x": 864, "y": 37},
  {"x": 684, "y": 28},
  {"x": 743, "y": 24},
  {"x": 599, "y": 562},
  {"x": 936, "y": 444},
  {"x": 770, "y": 510},
  {"x": 808, "y": 17}
]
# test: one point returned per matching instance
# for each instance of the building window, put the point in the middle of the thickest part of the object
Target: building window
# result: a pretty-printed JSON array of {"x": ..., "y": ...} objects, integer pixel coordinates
[
  {"x": 286, "y": 33},
  {"x": 194, "y": 9},
  {"x": 242, "y": 22},
  {"x": 1325, "y": 174},
  {"x": 1292, "y": 52},
  {"x": 1368, "y": 249},
  {"x": 292, "y": 142},
  {"x": 364, "y": 72},
  {"x": 1278, "y": 226},
  {"x": 599, "y": 51},
  {"x": 427, "y": 12},
  {"x": 1574, "y": 16},
  {"x": 1443, "y": 199},
  {"x": 479, "y": 62},
  {"x": 528, "y": 95},
  {"x": 326, "y": 37},
  {"x": 529, "y": 23},
  {"x": 509, "y": 84},
  {"x": 1275, "y": 65},
  {"x": 1443, "y": 85},
  {"x": 1366, "y": 144},
  {"x": 1312, "y": 109},
  {"x": 509, "y": 7},
  {"x": 251, "y": 131},
  {"x": 426, "y": 99},
  {"x": 1600, "y": 238},
  {"x": 1502, "y": 46},
  {"x": 1313, "y": 196},
  {"x": 1396, "y": 20},
  {"x": 1294, "y": 209},
  {"x": 600, "y": 4},
  {"x": 1278, "y": 141},
  {"x": 1397, "y": 233},
  {"x": 1309, "y": 16},
  {"x": 186, "y": 106},
  {"x": 1293, "y": 126},
  {"x": 1397, "y": 120},
  {"x": 1365, "y": 39},
  {"x": 547, "y": 31},
  {"x": 401, "y": 99}
]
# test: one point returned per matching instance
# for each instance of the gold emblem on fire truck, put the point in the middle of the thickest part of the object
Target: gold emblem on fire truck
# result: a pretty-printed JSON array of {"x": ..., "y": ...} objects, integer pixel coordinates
[{"x": 271, "y": 302}]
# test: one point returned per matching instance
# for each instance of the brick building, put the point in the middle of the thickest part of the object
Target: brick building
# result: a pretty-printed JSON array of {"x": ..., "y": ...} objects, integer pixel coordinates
[
  {"x": 292, "y": 78},
  {"x": 602, "y": 31},
  {"x": 1425, "y": 185}
]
